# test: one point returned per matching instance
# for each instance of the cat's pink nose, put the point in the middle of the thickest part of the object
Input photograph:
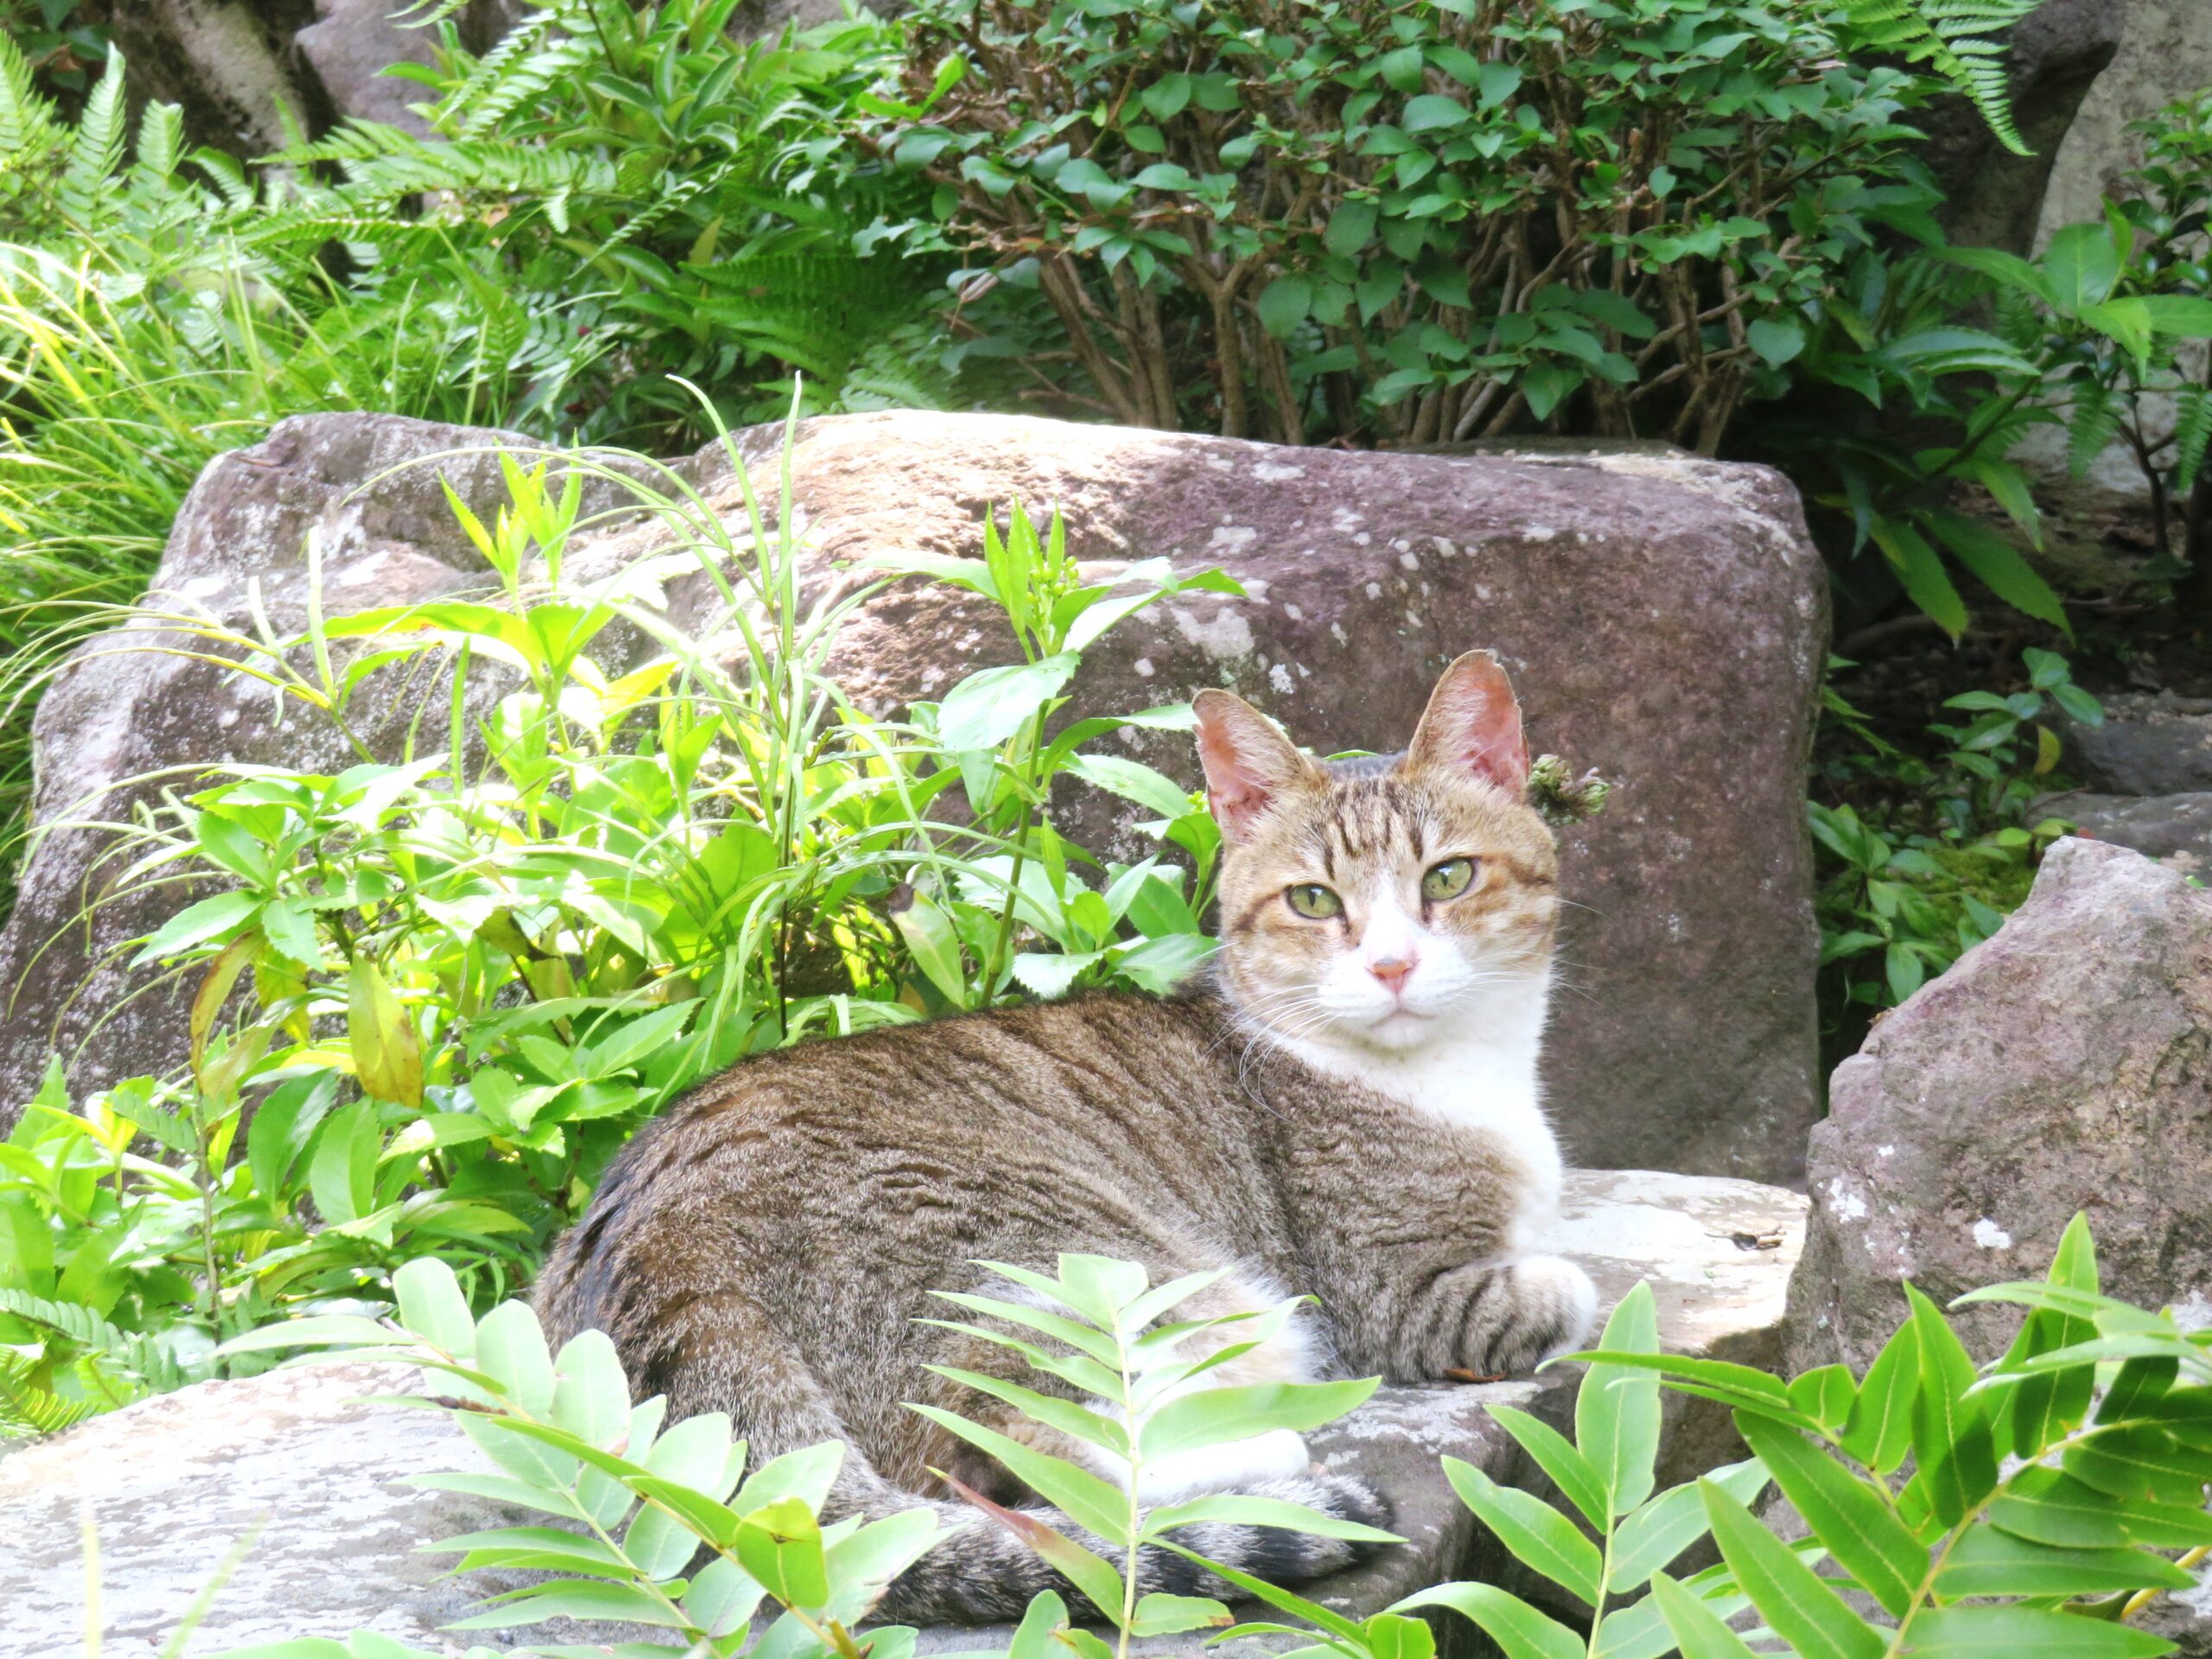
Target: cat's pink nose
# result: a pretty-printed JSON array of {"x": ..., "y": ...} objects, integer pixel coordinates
[{"x": 1393, "y": 971}]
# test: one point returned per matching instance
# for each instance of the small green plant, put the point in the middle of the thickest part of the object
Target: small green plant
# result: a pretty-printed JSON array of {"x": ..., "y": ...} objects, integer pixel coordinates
[
  {"x": 2045, "y": 1497},
  {"x": 663, "y": 1524},
  {"x": 1138, "y": 1366},
  {"x": 1922, "y": 857}
]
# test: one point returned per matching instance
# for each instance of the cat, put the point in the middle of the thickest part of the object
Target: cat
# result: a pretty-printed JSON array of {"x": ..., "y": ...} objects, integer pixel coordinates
[{"x": 1348, "y": 1106}]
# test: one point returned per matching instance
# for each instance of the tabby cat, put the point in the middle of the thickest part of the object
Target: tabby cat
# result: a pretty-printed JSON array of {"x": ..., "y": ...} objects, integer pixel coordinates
[{"x": 1348, "y": 1108}]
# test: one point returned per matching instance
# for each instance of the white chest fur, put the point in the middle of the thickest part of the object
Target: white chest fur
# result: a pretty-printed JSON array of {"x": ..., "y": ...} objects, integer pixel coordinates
[{"x": 1480, "y": 1076}]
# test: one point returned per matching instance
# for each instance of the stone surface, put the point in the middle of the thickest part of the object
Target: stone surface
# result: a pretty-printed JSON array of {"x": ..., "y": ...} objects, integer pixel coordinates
[
  {"x": 1662, "y": 618},
  {"x": 2165, "y": 53},
  {"x": 2149, "y": 744},
  {"x": 241, "y": 70},
  {"x": 172, "y": 1484},
  {"x": 2063, "y": 1066},
  {"x": 2055, "y": 55},
  {"x": 2177, "y": 830}
]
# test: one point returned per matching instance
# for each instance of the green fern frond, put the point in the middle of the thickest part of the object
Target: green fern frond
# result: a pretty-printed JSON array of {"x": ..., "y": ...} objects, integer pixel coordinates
[
  {"x": 97, "y": 151},
  {"x": 2192, "y": 435},
  {"x": 2093, "y": 424},
  {"x": 161, "y": 144},
  {"x": 29, "y": 122},
  {"x": 513, "y": 73},
  {"x": 144, "y": 1358},
  {"x": 29, "y": 1408},
  {"x": 1954, "y": 39}
]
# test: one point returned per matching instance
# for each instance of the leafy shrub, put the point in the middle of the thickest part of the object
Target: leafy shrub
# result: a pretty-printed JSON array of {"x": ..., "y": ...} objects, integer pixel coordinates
[
  {"x": 2045, "y": 1489},
  {"x": 2087, "y": 335},
  {"x": 666, "y": 199},
  {"x": 1935, "y": 853},
  {"x": 467, "y": 976},
  {"x": 1415, "y": 224}
]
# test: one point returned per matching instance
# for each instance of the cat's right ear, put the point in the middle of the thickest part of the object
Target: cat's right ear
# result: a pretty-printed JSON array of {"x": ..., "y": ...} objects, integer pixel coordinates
[{"x": 1249, "y": 764}]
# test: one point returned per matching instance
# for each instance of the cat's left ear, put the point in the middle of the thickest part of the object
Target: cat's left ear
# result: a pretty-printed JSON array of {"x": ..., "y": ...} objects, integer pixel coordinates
[{"x": 1473, "y": 725}]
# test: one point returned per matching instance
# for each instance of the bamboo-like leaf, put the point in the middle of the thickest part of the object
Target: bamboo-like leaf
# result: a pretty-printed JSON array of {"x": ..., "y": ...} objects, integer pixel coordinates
[
  {"x": 1540, "y": 1537},
  {"x": 1802, "y": 1610},
  {"x": 1850, "y": 1518},
  {"x": 1616, "y": 1409}
]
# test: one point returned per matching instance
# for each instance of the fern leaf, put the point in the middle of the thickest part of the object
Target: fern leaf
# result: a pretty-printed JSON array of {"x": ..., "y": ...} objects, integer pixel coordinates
[
  {"x": 27, "y": 121},
  {"x": 140, "y": 1355},
  {"x": 1955, "y": 38},
  {"x": 160, "y": 144},
  {"x": 29, "y": 1408},
  {"x": 2093, "y": 424},
  {"x": 97, "y": 151},
  {"x": 2192, "y": 435}
]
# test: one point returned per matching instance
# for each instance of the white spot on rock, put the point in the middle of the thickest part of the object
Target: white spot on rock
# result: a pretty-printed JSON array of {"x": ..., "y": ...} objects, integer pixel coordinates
[
  {"x": 1279, "y": 677},
  {"x": 1275, "y": 472},
  {"x": 1143, "y": 667},
  {"x": 1847, "y": 1204},
  {"x": 1990, "y": 1236}
]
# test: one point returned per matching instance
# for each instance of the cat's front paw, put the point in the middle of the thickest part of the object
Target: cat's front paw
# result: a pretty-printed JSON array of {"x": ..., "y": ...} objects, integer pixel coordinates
[{"x": 1532, "y": 1310}]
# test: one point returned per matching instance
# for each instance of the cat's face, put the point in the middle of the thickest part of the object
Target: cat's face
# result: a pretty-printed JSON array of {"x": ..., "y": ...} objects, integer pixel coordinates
[{"x": 1380, "y": 903}]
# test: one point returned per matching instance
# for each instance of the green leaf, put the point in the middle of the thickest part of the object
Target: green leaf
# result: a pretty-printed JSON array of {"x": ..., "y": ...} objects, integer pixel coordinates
[
  {"x": 1558, "y": 1456},
  {"x": 432, "y": 1307},
  {"x": 1654, "y": 1534},
  {"x": 1617, "y": 1410},
  {"x": 573, "y": 1598},
  {"x": 2081, "y": 264},
  {"x": 1879, "y": 1432},
  {"x": 1089, "y": 1501},
  {"x": 1776, "y": 339},
  {"x": 1159, "y": 1614},
  {"x": 1802, "y": 1610},
  {"x": 1989, "y": 1561},
  {"x": 1352, "y": 227},
  {"x": 990, "y": 706},
  {"x": 1283, "y": 304},
  {"x": 780, "y": 1545},
  {"x": 1236, "y": 1510},
  {"x": 1922, "y": 572},
  {"x": 1433, "y": 111},
  {"x": 1698, "y": 1630},
  {"x": 387, "y": 1054},
  {"x": 1826, "y": 1394},
  {"x": 342, "y": 1175},
  {"x": 1950, "y": 1431},
  {"x": 933, "y": 940},
  {"x": 1498, "y": 82},
  {"x": 1217, "y": 1416},
  {"x": 1516, "y": 1627},
  {"x": 2006, "y": 1632},
  {"x": 511, "y": 1346},
  {"x": 591, "y": 1398},
  {"x": 1540, "y": 1537},
  {"x": 1848, "y": 1517},
  {"x": 1999, "y": 565},
  {"x": 199, "y": 924},
  {"x": 2047, "y": 1507}
]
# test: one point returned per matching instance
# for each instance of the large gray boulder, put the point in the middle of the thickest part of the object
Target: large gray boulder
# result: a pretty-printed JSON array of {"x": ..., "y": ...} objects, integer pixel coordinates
[
  {"x": 2063, "y": 1066},
  {"x": 171, "y": 1485},
  {"x": 2149, "y": 744},
  {"x": 2175, "y": 829},
  {"x": 249, "y": 75},
  {"x": 1662, "y": 617}
]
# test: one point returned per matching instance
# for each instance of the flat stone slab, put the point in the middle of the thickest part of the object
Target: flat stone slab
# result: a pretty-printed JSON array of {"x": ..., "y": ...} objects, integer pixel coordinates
[{"x": 169, "y": 1485}]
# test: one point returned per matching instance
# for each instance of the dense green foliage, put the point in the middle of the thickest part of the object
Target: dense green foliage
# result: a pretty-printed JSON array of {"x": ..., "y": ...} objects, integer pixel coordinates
[
  {"x": 1415, "y": 224},
  {"x": 1922, "y": 851}
]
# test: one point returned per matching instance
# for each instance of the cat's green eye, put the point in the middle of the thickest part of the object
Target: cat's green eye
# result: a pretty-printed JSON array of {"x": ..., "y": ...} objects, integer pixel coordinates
[
  {"x": 1448, "y": 879},
  {"x": 1311, "y": 899}
]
